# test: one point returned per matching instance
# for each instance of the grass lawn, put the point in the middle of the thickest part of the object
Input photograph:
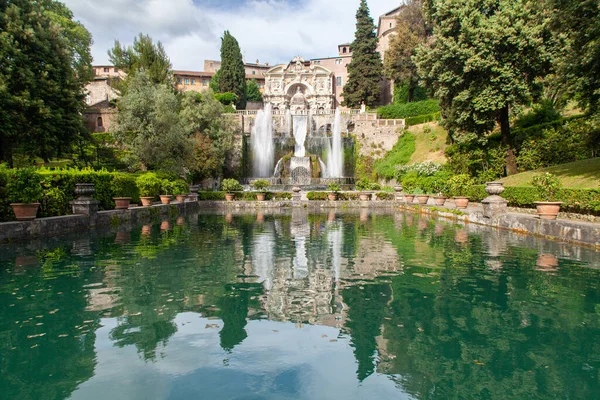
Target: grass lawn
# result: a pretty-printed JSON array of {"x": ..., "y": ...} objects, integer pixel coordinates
[
  {"x": 429, "y": 146},
  {"x": 578, "y": 174}
]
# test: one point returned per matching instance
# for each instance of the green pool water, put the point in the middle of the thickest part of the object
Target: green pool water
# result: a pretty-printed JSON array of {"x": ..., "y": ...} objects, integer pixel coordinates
[{"x": 299, "y": 306}]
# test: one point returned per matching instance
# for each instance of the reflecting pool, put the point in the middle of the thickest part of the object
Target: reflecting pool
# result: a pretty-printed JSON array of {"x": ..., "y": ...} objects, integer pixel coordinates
[{"x": 293, "y": 305}]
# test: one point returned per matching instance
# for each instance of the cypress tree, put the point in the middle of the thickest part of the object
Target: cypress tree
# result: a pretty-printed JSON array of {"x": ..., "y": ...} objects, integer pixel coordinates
[
  {"x": 365, "y": 70},
  {"x": 232, "y": 75}
]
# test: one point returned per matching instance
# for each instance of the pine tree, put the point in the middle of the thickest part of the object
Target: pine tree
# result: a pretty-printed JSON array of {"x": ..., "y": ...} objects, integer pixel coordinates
[
  {"x": 232, "y": 75},
  {"x": 365, "y": 70}
]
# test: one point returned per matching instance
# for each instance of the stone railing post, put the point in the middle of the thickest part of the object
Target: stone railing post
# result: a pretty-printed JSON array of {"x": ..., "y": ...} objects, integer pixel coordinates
[
  {"x": 85, "y": 204},
  {"x": 494, "y": 205}
]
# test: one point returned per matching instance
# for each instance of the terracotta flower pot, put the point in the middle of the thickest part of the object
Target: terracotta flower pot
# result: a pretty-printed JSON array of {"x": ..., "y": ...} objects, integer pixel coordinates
[
  {"x": 180, "y": 197},
  {"x": 165, "y": 226},
  {"x": 364, "y": 196},
  {"x": 332, "y": 196},
  {"x": 409, "y": 198},
  {"x": 439, "y": 200},
  {"x": 422, "y": 199},
  {"x": 146, "y": 230},
  {"x": 461, "y": 202},
  {"x": 547, "y": 262},
  {"x": 260, "y": 196},
  {"x": 25, "y": 211},
  {"x": 180, "y": 221},
  {"x": 548, "y": 209},
  {"x": 146, "y": 201},
  {"x": 122, "y": 203},
  {"x": 229, "y": 196},
  {"x": 165, "y": 198}
]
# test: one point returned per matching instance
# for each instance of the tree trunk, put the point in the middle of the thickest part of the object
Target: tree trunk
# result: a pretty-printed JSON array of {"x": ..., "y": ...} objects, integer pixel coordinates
[{"x": 511, "y": 161}]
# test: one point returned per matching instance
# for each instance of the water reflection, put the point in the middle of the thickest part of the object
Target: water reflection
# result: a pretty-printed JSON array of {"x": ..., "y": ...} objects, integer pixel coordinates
[{"x": 293, "y": 305}]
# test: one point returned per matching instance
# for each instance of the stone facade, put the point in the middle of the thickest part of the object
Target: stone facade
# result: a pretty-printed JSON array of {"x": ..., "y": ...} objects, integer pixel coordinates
[
  {"x": 101, "y": 117},
  {"x": 299, "y": 87}
]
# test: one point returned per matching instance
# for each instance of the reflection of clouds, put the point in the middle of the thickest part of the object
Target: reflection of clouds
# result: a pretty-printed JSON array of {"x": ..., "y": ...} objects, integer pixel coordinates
[
  {"x": 262, "y": 258},
  {"x": 194, "y": 365}
]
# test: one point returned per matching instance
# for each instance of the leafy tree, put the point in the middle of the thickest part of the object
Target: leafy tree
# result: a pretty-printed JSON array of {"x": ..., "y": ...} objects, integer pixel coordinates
[
  {"x": 411, "y": 32},
  {"x": 148, "y": 125},
  {"x": 45, "y": 66},
  {"x": 483, "y": 61},
  {"x": 232, "y": 75},
  {"x": 253, "y": 91},
  {"x": 143, "y": 55},
  {"x": 365, "y": 70},
  {"x": 214, "y": 82},
  {"x": 212, "y": 134},
  {"x": 578, "y": 22}
]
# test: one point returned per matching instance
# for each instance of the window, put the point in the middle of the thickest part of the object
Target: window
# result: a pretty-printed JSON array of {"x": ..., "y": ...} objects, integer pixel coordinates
[
  {"x": 258, "y": 84},
  {"x": 344, "y": 50},
  {"x": 339, "y": 81},
  {"x": 390, "y": 24},
  {"x": 186, "y": 81},
  {"x": 338, "y": 61},
  {"x": 99, "y": 122},
  {"x": 179, "y": 81},
  {"x": 106, "y": 69},
  {"x": 193, "y": 81},
  {"x": 204, "y": 82},
  {"x": 253, "y": 72}
]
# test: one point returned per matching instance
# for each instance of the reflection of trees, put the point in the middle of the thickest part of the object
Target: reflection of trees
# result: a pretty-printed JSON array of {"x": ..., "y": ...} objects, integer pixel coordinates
[
  {"x": 46, "y": 336},
  {"x": 234, "y": 311},
  {"x": 365, "y": 317}
]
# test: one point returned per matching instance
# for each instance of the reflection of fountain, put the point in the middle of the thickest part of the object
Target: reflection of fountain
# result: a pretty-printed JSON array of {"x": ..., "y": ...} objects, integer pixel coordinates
[
  {"x": 262, "y": 258},
  {"x": 335, "y": 240},
  {"x": 263, "y": 147}
]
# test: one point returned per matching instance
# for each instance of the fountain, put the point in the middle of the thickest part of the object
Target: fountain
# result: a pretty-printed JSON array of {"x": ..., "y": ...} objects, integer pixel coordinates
[
  {"x": 335, "y": 156},
  {"x": 262, "y": 143}
]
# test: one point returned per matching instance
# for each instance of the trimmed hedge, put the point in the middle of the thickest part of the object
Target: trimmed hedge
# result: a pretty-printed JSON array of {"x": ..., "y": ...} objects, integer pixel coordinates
[
  {"x": 399, "y": 111},
  {"x": 243, "y": 196},
  {"x": 581, "y": 201},
  {"x": 59, "y": 189},
  {"x": 421, "y": 119}
]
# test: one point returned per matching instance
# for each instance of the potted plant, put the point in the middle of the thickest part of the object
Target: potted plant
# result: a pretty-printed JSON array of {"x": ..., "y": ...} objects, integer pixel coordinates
[
  {"x": 230, "y": 186},
  {"x": 439, "y": 187},
  {"x": 458, "y": 186},
  {"x": 149, "y": 187},
  {"x": 180, "y": 188},
  {"x": 166, "y": 187},
  {"x": 363, "y": 185},
  {"x": 334, "y": 189},
  {"x": 547, "y": 186},
  {"x": 121, "y": 187},
  {"x": 24, "y": 189},
  {"x": 422, "y": 197},
  {"x": 260, "y": 186}
]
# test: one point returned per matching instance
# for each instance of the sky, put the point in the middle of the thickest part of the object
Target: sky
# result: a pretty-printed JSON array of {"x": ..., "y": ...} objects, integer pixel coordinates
[{"x": 272, "y": 31}]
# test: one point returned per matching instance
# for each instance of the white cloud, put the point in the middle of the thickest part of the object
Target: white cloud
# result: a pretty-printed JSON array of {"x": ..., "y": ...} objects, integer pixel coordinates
[{"x": 269, "y": 30}]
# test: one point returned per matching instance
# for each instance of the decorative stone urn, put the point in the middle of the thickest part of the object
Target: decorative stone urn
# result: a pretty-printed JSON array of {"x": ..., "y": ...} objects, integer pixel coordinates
[
  {"x": 296, "y": 196},
  {"x": 494, "y": 205},
  {"x": 398, "y": 189},
  {"x": 85, "y": 204},
  {"x": 84, "y": 191}
]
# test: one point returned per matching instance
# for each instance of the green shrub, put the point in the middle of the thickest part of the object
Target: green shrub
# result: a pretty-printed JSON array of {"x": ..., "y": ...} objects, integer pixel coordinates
[
  {"x": 231, "y": 185},
  {"x": 421, "y": 119},
  {"x": 261, "y": 185},
  {"x": 179, "y": 186},
  {"x": 148, "y": 185},
  {"x": 226, "y": 98},
  {"x": 385, "y": 196},
  {"x": 55, "y": 202},
  {"x": 400, "y": 111},
  {"x": 220, "y": 196},
  {"x": 323, "y": 196},
  {"x": 124, "y": 186},
  {"x": 334, "y": 187},
  {"x": 540, "y": 114},
  {"x": 459, "y": 185},
  {"x": 401, "y": 94},
  {"x": 24, "y": 186},
  {"x": 365, "y": 184},
  {"x": 400, "y": 154},
  {"x": 547, "y": 186}
]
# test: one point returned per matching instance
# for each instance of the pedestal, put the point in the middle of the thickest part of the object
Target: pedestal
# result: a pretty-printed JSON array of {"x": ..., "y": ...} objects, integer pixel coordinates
[{"x": 494, "y": 205}]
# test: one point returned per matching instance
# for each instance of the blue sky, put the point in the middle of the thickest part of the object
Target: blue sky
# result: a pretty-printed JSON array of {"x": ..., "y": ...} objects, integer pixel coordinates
[{"x": 267, "y": 30}]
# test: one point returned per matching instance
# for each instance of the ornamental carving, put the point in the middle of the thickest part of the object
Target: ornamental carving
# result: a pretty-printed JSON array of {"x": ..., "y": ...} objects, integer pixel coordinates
[{"x": 299, "y": 87}]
